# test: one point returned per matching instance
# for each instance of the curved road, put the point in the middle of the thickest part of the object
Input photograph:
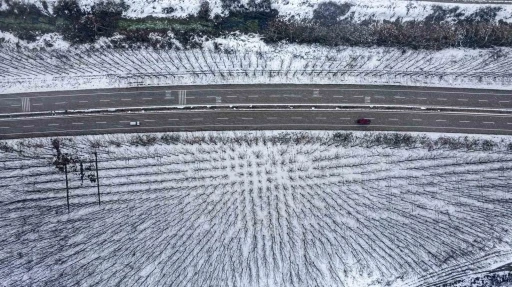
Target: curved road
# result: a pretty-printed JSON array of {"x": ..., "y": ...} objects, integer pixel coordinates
[{"x": 226, "y": 119}]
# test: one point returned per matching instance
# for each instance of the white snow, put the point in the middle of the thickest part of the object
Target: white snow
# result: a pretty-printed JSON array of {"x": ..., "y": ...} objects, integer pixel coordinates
[
  {"x": 256, "y": 209},
  {"x": 246, "y": 59}
]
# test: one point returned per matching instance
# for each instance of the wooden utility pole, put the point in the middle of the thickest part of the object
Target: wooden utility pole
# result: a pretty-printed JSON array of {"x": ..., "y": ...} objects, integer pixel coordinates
[
  {"x": 97, "y": 177},
  {"x": 67, "y": 186}
]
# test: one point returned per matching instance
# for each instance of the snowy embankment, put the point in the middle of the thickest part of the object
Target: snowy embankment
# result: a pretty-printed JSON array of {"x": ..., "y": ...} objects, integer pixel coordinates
[
  {"x": 247, "y": 60},
  {"x": 303, "y": 9},
  {"x": 255, "y": 209}
]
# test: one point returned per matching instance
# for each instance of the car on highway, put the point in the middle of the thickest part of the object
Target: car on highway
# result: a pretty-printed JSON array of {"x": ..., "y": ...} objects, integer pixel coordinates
[
  {"x": 363, "y": 121},
  {"x": 137, "y": 123}
]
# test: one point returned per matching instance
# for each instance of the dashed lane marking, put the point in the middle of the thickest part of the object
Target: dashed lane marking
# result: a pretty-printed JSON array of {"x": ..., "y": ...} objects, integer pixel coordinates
[
  {"x": 492, "y": 123},
  {"x": 77, "y": 123}
]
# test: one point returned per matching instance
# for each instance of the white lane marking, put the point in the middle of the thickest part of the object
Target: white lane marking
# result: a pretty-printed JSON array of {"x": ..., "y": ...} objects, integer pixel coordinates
[
  {"x": 83, "y": 101},
  {"x": 28, "y": 126},
  {"x": 393, "y": 119},
  {"x": 441, "y": 99},
  {"x": 357, "y": 96},
  {"x": 504, "y": 101},
  {"x": 53, "y": 124},
  {"x": 483, "y": 100},
  {"x": 4, "y": 127},
  {"x": 492, "y": 123},
  {"x": 422, "y": 98},
  {"x": 60, "y": 103},
  {"x": 464, "y": 121},
  {"x": 509, "y": 123},
  {"x": 104, "y": 100},
  {"x": 189, "y": 97},
  {"x": 149, "y": 120},
  {"x": 197, "y": 119},
  {"x": 253, "y": 96},
  {"x": 126, "y": 99},
  {"x": 316, "y": 93},
  {"x": 15, "y": 105},
  {"x": 232, "y": 96},
  {"x": 246, "y": 118},
  {"x": 440, "y": 120},
  {"x": 147, "y": 98},
  {"x": 37, "y": 104},
  {"x": 382, "y": 97},
  {"x": 101, "y": 122},
  {"x": 296, "y": 118},
  {"x": 337, "y": 96},
  {"x": 124, "y": 121},
  {"x": 25, "y": 104},
  {"x": 173, "y": 119},
  {"x": 319, "y": 118},
  {"x": 182, "y": 97},
  {"x": 397, "y": 97},
  {"x": 464, "y": 100},
  {"x": 416, "y": 119},
  {"x": 77, "y": 123},
  {"x": 222, "y": 118}
]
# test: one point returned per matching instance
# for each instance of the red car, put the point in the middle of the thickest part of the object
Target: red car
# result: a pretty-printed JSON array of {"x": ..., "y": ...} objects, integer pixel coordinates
[{"x": 363, "y": 121}]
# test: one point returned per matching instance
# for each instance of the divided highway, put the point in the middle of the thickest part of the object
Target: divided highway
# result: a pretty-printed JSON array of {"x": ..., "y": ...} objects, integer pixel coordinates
[{"x": 226, "y": 119}]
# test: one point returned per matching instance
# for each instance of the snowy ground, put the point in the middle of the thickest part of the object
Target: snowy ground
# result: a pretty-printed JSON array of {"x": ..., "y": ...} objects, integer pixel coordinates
[
  {"x": 303, "y": 9},
  {"x": 256, "y": 209},
  {"x": 247, "y": 60}
]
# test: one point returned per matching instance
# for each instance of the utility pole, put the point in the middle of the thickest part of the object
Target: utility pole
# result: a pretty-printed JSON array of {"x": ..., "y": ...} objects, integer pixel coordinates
[
  {"x": 97, "y": 177},
  {"x": 67, "y": 186}
]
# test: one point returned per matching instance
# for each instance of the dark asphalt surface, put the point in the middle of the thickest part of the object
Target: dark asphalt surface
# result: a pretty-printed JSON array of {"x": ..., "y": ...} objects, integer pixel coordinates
[
  {"x": 254, "y": 94},
  {"x": 257, "y": 120},
  {"x": 227, "y": 119}
]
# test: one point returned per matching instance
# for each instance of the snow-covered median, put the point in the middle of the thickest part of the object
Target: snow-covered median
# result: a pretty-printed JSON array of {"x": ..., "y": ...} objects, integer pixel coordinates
[{"x": 255, "y": 209}]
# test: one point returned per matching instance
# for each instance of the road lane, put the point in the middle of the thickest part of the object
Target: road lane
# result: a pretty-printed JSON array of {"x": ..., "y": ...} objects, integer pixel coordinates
[
  {"x": 257, "y": 120},
  {"x": 254, "y": 94}
]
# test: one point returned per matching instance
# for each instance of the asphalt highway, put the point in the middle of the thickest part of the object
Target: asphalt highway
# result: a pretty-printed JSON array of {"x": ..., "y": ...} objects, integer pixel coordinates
[
  {"x": 256, "y": 120},
  {"x": 254, "y": 94},
  {"x": 229, "y": 119}
]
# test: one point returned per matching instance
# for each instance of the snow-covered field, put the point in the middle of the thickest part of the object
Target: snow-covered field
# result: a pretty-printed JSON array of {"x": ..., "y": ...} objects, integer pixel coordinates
[
  {"x": 248, "y": 60},
  {"x": 256, "y": 209}
]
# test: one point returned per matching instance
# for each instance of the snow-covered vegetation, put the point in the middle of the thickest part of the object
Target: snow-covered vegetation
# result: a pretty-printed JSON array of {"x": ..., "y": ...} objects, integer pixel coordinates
[
  {"x": 231, "y": 60},
  {"x": 296, "y": 9},
  {"x": 256, "y": 209}
]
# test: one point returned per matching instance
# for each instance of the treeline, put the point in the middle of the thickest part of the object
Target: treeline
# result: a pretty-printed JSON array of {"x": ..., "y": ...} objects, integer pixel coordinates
[
  {"x": 332, "y": 25},
  {"x": 442, "y": 29}
]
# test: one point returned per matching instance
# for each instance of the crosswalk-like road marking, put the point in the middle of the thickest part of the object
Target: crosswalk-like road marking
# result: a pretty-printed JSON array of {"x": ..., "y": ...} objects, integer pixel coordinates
[
  {"x": 25, "y": 104},
  {"x": 182, "y": 97}
]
